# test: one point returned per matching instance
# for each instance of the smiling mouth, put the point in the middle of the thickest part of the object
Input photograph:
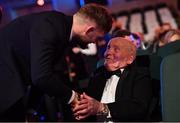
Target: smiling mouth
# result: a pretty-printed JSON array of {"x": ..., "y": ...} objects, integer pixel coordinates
[{"x": 108, "y": 59}]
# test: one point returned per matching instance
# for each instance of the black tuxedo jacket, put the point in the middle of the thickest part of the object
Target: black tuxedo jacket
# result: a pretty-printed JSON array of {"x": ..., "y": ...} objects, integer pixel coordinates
[
  {"x": 31, "y": 48},
  {"x": 133, "y": 93}
]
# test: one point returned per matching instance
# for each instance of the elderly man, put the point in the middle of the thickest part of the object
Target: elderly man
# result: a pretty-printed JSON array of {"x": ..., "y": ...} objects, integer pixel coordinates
[{"x": 119, "y": 90}]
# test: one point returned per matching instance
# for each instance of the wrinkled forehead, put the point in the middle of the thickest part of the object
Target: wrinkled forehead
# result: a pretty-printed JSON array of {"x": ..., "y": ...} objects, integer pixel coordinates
[
  {"x": 125, "y": 46},
  {"x": 119, "y": 41}
]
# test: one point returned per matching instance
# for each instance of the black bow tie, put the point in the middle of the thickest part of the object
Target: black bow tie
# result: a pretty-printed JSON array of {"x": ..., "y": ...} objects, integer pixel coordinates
[{"x": 108, "y": 74}]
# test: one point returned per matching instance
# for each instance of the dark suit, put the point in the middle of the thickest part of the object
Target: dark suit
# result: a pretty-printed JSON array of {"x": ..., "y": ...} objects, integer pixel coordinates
[
  {"x": 31, "y": 48},
  {"x": 133, "y": 93}
]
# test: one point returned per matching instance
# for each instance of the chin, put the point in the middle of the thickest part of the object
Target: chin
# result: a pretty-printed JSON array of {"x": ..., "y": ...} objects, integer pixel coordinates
[{"x": 110, "y": 67}]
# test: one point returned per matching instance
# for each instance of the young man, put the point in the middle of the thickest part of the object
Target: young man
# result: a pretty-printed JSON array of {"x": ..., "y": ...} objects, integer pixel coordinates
[
  {"x": 119, "y": 90},
  {"x": 31, "y": 48}
]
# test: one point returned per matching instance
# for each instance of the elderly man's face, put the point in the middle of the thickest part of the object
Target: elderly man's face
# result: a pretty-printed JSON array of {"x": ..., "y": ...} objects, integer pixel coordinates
[{"x": 117, "y": 54}]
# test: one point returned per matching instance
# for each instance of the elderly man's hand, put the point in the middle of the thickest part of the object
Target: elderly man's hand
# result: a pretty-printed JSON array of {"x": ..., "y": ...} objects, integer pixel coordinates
[{"x": 86, "y": 107}]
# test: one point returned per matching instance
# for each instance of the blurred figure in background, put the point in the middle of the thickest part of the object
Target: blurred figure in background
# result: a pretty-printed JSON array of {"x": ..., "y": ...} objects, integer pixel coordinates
[
  {"x": 169, "y": 43},
  {"x": 144, "y": 44},
  {"x": 133, "y": 37},
  {"x": 159, "y": 32},
  {"x": 168, "y": 36},
  {"x": 164, "y": 27},
  {"x": 116, "y": 25}
]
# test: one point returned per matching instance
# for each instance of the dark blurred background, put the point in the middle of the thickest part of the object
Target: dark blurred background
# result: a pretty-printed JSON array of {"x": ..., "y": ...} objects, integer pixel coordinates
[{"x": 14, "y": 8}]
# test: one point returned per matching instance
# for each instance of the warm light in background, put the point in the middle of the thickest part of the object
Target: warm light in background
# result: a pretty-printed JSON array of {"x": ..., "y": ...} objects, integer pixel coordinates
[{"x": 40, "y": 2}]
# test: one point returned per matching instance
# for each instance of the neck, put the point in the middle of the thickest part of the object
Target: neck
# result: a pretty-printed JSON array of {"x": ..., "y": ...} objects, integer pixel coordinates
[{"x": 73, "y": 29}]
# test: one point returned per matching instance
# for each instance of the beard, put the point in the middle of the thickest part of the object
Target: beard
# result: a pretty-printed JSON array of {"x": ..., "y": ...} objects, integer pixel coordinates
[{"x": 80, "y": 41}]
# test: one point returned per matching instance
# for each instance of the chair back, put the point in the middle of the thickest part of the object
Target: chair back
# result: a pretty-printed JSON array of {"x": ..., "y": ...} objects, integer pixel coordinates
[
  {"x": 168, "y": 49},
  {"x": 170, "y": 88}
]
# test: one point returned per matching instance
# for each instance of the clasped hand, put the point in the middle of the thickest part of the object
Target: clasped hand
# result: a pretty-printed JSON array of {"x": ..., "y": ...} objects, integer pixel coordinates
[{"x": 86, "y": 106}]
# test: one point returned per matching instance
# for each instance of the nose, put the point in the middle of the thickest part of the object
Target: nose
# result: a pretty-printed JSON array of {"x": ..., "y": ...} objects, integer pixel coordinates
[{"x": 108, "y": 52}]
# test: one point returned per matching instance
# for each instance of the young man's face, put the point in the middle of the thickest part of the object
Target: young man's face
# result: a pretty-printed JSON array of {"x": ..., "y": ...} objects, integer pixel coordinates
[{"x": 93, "y": 36}]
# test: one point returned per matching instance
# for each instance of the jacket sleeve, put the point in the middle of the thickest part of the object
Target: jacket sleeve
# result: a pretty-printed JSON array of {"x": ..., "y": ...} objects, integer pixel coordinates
[
  {"x": 43, "y": 39},
  {"x": 135, "y": 106}
]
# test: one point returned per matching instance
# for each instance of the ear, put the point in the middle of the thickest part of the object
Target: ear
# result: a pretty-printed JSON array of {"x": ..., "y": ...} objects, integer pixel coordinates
[
  {"x": 89, "y": 30},
  {"x": 130, "y": 60}
]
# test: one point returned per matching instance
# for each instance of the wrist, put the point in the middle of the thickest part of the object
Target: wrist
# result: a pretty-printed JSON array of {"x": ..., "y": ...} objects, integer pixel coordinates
[{"x": 103, "y": 110}]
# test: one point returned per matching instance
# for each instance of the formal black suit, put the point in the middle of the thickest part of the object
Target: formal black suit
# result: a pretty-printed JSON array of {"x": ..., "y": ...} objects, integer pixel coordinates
[
  {"x": 133, "y": 93},
  {"x": 31, "y": 48}
]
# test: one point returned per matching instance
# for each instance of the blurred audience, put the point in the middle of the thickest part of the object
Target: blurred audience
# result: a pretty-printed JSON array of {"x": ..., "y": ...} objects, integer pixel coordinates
[
  {"x": 116, "y": 25},
  {"x": 159, "y": 32},
  {"x": 133, "y": 37},
  {"x": 169, "y": 43},
  {"x": 164, "y": 27},
  {"x": 168, "y": 36}
]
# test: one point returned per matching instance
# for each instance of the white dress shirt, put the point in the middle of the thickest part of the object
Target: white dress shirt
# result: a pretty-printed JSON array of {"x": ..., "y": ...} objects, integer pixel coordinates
[{"x": 109, "y": 92}]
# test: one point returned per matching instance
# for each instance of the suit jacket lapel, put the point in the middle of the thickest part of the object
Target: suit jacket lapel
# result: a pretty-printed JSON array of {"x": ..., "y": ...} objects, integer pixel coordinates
[
  {"x": 96, "y": 90},
  {"x": 121, "y": 82},
  {"x": 102, "y": 80}
]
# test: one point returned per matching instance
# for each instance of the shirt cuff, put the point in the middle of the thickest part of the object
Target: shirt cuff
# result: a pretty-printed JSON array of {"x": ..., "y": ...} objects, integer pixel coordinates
[
  {"x": 109, "y": 115},
  {"x": 72, "y": 97}
]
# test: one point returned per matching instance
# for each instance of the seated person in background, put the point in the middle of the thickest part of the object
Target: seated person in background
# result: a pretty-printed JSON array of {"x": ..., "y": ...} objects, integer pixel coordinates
[
  {"x": 118, "y": 90},
  {"x": 163, "y": 28},
  {"x": 168, "y": 43},
  {"x": 128, "y": 35},
  {"x": 144, "y": 44},
  {"x": 158, "y": 33},
  {"x": 135, "y": 38},
  {"x": 168, "y": 36}
]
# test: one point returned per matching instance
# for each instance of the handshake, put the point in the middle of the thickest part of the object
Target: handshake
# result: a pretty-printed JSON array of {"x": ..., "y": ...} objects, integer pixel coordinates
[{"x": 84, "y": 106}]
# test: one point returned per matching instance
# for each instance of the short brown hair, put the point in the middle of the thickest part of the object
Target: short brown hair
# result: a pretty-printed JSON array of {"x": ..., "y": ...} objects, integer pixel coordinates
[{"x": 98, "y": 14}]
